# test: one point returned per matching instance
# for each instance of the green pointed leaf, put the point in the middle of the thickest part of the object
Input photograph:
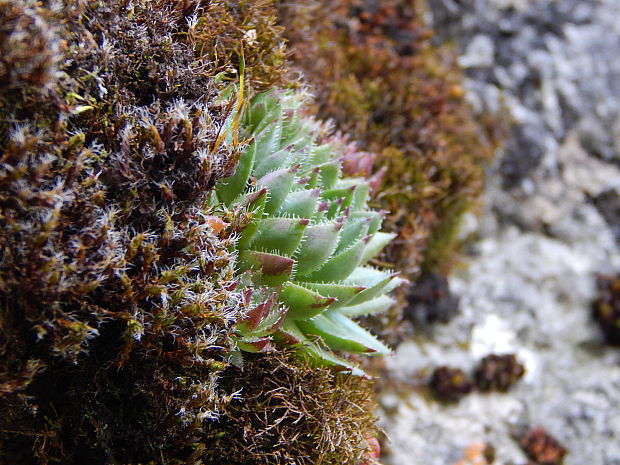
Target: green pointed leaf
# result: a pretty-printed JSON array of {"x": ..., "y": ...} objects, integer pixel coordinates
[
  {"x": 281, "y": 235},
  {"x": 300, "y": 138},
  {"x": 270, "y": 269},
  {"x": 303, "y": 302},
  {"x": 375, "y": 218},
  {"x": 268, "y": 141},
  {"x": 272, "y": 162},
  {"x": 360, "y": 196},
  {"x": 317, "y": 245},
  {"x": 247, "y": 235},
  {"x": 329, "y": 174},
  {"x": 293, "y": 125},
  {"x": 290, "y": 334},
  {"x": 376, "y": 282},
  {"x": 371, "y": 307},
  {"x": 345, "y": 193},
  {"x": 335, "y": 208},
  {"x": 230, "y": 188},
  {"x": 321, "y": 356},
  {"x": 353, "y": 230},
  {"x": 301, "y": 204},
  {"x": 339, "y": 266},
  {"x": 342, "y": 292},
  {"x": 279, "y": 184},
  {"x": 376, "y": 244},
  {"x": 367, "y": 276},
  {"x": 341, "y": 333},
  {"x": 265, "y": 108},
  {"x": 311, "y": 179},
  {"x": 321, "y": 154}
]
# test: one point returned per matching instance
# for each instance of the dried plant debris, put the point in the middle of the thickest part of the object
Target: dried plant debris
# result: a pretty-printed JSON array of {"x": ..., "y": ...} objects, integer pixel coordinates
[
  {"x": 450, "y": 384},
  {"x": 541, "y": 447},
  {"x": 493, "y": 373},
  {"x": 606, "y": 309},
  {"x": 478, "y": 453},
  {"x": 498, "y": 372}
]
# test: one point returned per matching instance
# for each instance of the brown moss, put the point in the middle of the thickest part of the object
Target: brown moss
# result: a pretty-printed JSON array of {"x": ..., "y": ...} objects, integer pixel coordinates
[
  {"x": 297, "y": 414},
  {"x": 449, "y": 384},
  {"x": 223, "y": 27},
  {"x": 498, "y": 372},
  {"x": 117, "y": 297}
]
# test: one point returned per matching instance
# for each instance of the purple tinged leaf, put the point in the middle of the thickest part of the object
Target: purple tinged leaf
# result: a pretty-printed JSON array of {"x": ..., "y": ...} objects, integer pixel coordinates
[
  {"x": 256, "y": 345},
  {"x": 270, "y": 269},
  {"x": 255, "y": 316},
  {"x": 252, "y": 199},
  {"x": 342, "y": 292}
]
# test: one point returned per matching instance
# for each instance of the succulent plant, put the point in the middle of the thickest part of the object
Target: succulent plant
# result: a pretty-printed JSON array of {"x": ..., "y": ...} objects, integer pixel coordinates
[{"x": 304, "y": 256}]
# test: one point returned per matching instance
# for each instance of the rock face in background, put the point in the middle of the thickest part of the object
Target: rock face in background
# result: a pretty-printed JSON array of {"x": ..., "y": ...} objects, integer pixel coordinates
[
  {"x": 551, "y": 64},
  {"x": 550, "y": 225}
]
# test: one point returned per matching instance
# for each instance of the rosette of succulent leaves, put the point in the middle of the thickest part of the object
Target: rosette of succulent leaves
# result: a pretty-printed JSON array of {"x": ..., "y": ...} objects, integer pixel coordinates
[{"x": 303, "y": 258}]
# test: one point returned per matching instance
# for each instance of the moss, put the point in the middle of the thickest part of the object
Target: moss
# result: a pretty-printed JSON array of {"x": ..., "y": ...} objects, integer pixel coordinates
[
  {"x": 118, "y": 288},
  {"x": 226, "y": 26},
  {"x": 118, "y": 297},
  {"x": 498, "y": 372},
  {"x": 377, "y": 73},
  {"x": 449, "y": 384},
  {"x": 297, "y": 414}
]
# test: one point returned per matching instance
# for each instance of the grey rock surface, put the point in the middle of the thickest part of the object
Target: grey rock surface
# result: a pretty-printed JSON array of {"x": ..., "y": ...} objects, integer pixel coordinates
[
  {"x": 552, "y": 65},
  {"x": 551, "y": 224}
]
